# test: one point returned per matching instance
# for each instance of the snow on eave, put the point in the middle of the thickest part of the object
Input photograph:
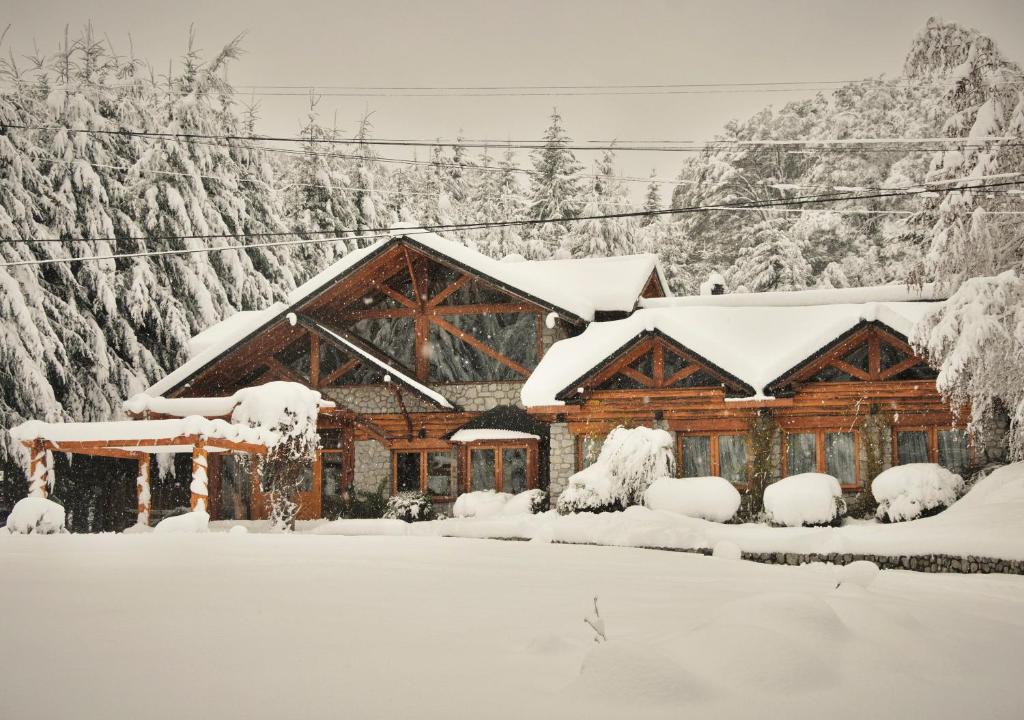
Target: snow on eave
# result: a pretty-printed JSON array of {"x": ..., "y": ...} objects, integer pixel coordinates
[
  {"x": 804, "y": 298},
  {"x": 213, "y": 407},
  {"x": 418, "y": 387},
  {"x": 143, "y": 430},
  {"x": 474, "y": 434}
]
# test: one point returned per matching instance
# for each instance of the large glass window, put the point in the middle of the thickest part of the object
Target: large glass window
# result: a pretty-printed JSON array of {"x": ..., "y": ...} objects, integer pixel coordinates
[
  {"x": 732, "y": 458},
  {"x": 482, "y": 467},
  {"x": 840, "y": 457},
  {"x": 912, "y": 446},
  {"x": 332, "y": 473},
  {"x": 590, "y": 450},
  {"x": 407, "y": 471},
  {"x": 801, "y": 453},
  {"x": 953, "y": 450},
  {"x": 428, "y": 471},
  {"x": 696, "y": 450}
]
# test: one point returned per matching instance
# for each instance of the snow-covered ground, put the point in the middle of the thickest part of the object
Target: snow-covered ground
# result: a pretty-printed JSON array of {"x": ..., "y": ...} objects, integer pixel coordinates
[{"x": 305, "y": 626}]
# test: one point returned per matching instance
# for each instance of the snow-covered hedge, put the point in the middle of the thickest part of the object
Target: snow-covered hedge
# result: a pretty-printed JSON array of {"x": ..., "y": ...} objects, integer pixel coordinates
[
  {"x": 630, "y": 460},
  {"x": 907, "y": 492},
  {"x": 488, "y": 503},
  {"x": 36, "y": 516},
  {"x": 409, "y": 506},
  {"x": 805, "y": 500},
  {"x": 708, "y": 498}
]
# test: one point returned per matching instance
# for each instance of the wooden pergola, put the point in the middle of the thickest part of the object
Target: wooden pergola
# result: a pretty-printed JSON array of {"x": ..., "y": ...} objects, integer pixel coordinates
[{"x": 137, "y": 440}]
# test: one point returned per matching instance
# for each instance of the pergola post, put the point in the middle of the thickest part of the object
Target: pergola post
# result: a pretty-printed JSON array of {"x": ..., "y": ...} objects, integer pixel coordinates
[
  {"x": 200, "y": 478},
  {"x": 142, "y": 490},
  {"x": 38, "y": 469}
]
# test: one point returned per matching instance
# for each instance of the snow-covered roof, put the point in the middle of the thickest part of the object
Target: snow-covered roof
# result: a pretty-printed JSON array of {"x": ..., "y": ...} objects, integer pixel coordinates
[
  {"x": 610, "y": 284},
  {"x": 756, "y": 342},
  {"x": 143, "y": 430},
  {"x": 465, "y": 436},
  {"x": 560, "y": 284},
  {"x": 801, "y": 298},
  {"x": 206, "y": 406}
]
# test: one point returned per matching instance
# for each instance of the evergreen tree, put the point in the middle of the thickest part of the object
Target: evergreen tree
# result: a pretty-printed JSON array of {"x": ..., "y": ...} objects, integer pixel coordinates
[
  {"x": 774, "y": 262},
  {"x": 554, "y": 188},
  {"x": 652, "y": 201},
  {"x": 596, "y": 236}
]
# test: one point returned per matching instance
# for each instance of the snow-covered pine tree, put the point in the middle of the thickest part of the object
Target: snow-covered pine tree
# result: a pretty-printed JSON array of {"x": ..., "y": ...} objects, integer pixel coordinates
[
  {"x": 495, "y": 196},
  {"x": 774, "y": 262},
  {"x": 365, "y": 197},
  {"x": 554, "y": 189},
  {"x": 652, "y": 201},
  {"x": 594, "y": 236}
]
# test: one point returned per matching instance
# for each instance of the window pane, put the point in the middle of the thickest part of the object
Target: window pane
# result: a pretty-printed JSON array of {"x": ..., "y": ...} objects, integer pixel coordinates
[
  {"x": 912, "y": 446},
  {"x": 330, "y": 439},
  {"x": 331, "y": 472},
  {"x": 696, "y": 456},
  {"x": 441, "y": 473},
  {"x": 513, "y": 470},
  {"x": 306, "y": 480},
  {"x": 482, "y": 469},
  {"x": 235, "y": 484},
  {"x": 840, "y": 461},
  {"x": 732, "y": 457},
  {"x": 407, "y": 470},
  {"x": 590, "y": 449},
  {"x": 801, "y": 453},
  {"x": 953, "y": 450}
]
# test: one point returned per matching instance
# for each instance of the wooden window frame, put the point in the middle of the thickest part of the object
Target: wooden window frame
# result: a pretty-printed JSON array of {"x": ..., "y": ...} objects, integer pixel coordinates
[
  {"x": 933, "y": 441},
  {"x": 423, "y": 452},
  {"x": 531, "y": 447},
  {"x": 715, "y": 466},
  {"x": 579, "y": 447},
  {"x": 821, "y": 463}
]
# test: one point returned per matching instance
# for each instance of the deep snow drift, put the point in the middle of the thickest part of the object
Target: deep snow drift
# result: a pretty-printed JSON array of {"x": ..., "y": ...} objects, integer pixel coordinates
[{"x": 221, "y": 625}]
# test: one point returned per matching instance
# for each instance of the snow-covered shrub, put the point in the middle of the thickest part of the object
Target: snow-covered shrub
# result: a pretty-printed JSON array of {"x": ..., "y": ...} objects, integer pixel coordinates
[
  {"x": 630, "y": 460},
  {"x": 727, "y": 550},
  {"x": 907, "y": 492},
  {"x": 488, "y": 503},
  {"x": 36, "y": 515},
  {"x": 410, "y": 507},
  {"x": 708, "y": 498},
  {"x": 197, "y": 521},
  {"x": 807, "y": 499}
]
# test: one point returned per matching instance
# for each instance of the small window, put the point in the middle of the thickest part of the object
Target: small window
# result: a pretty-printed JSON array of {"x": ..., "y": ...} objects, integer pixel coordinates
[
  {"x": 441, "y": 473},
  {"x": 673, "y": 363},
  {"x": 407, "y": 472},
  {"x": 332, "y": 470},
  {"x": 840, "y": 457},
  {"x": 858, "y": 357},
  {"x": 953, "y": 450},
  {"x": 513, "y": 470},
  {"x": 482, "y": 468},
  {"x": 912, "y": 446},
  {"x": 732, "y": 458},
  {"x": 801, "y": 453},
  {"x": 590, "y": 450},
  {"x": 696, "y": 450}
]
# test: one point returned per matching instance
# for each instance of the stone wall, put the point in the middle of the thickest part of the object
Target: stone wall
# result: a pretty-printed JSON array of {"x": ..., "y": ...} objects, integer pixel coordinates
[
  {"x": 372, "y": 466},
  {"x": 561, "y": 459},
  {"x": 921, "y": 563},
  {"x": 478, "y": 397},
  {"x": 377, "y": 399}
]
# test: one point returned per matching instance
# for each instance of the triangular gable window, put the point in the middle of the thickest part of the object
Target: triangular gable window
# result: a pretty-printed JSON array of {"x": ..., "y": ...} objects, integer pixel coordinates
[
  {"x": 878, "y": 357},
  {"x": 700, "y": 378},
  {"x": 657, "y": 365}
]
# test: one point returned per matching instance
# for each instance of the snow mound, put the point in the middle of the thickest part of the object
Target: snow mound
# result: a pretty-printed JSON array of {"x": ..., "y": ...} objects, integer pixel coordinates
[
  {"x": 906, "y": 492},
  {"x": 630, "y": 672},
  {"x": 860, "y": 573},
  {"x": 197, "y": 521},
  {"x": 727, "y": 550},
  {"x": 708, "y": 498},
  {"x": 488, "y": 503},
  {"x": 238, "y": 530},
  {"x": 36, "y": 515},
  {"x": 805, "y": 499}
]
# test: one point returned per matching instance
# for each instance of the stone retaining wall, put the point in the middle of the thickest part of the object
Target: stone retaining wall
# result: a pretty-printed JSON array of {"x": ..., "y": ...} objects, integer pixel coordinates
[{"x": 921, "y": 563}]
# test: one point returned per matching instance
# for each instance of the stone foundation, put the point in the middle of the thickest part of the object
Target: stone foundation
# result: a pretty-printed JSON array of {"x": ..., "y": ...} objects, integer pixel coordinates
[
  {"x": 372, "y": 466},
  {"x": 561, "y": 459}
]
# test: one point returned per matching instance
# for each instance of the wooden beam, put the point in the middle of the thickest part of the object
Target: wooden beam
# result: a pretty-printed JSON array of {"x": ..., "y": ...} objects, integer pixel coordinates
[
  {"x": 454, "y": 287},
  {"x": 483, "y": 309},
  {"x": 314, "y": 360},
  {"x": 485, "y": 349},
  {"x": 374, "y": 314},
  {"x": 899, "y": 367},
  {"x": 38, "y": 469},
  {"x": 849, "y": 369},
  {"x": 338, "y": 372},
  {"x": 636, "y": 375},
  {"x": 142, "y": 491},
  {"x": 200, "y": 484},
  {"x": 682, "y": 374},
  {"x": 412, "y": 275},
  {"x": 282, "y": 369}
]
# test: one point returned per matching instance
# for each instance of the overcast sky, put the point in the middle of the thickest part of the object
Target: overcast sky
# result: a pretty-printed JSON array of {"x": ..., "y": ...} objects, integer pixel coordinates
[{"x": 526, "y": 42}]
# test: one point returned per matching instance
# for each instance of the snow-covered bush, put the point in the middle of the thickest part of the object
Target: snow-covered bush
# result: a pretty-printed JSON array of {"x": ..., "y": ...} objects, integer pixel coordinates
[
  {"x": 488, "y": 503},
  {"x": 410, "y": 507},
  {"x": 907, "y": 492},
  {"x": 630, "y": 460},
  {"x": 807, "y": 499},
  {"x": 36, "y": 516},
  {"x": 708, "y": 498},
  {"x": 197, "y": 521}
]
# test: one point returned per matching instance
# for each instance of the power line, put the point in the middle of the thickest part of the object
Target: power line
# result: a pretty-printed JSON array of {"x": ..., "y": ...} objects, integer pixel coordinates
[{"x": 387, "y": 231}]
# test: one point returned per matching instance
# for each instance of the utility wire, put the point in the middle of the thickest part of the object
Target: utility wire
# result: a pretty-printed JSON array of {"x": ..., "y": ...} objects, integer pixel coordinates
[{"x": 387, "y": 231}]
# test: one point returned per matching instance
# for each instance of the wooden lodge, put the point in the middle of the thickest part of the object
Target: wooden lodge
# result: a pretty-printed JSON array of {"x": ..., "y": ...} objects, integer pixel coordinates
[{"x": 445, "y": 371}]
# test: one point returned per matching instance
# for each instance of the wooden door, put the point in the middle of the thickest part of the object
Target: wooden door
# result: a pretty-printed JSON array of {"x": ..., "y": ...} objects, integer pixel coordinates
[{"x": 308, "y": 497}]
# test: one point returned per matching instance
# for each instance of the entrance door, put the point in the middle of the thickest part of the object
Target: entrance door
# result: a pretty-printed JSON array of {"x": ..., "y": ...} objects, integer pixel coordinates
[{"x": 308, "y": 496}]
